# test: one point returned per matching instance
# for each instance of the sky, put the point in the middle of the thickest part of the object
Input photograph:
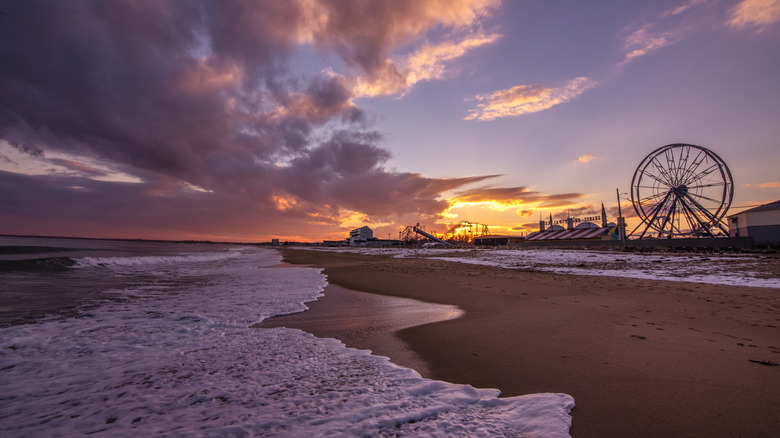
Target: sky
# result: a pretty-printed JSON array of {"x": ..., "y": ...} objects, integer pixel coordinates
[{"x": 303, "y": 119}]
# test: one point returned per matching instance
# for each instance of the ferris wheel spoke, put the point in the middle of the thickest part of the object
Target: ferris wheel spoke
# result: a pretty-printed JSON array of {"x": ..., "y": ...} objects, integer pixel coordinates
[
  {"x": 678, "y": 213},
  {"x": 653, "y": 196},
  {"x": 664, "y": 172},
  {"x": 694, "y": 221},
  {"x": 646, "y": 173},
  {"x": 682, "y": 169},
  {"x": 702, "y": 174},
  {"x": 671, "y": 166},
  {"x": 665, "y": 220},
  {"x": 691, "y": 219},
  {"x": 707, "y": 185},
  {"x": 707, "y": 198},
  {"x": 657, "y": 209},
  {"x": 712, "y": 219},
  {"x": 687, "y": 215},
  {"x": 694, "y": 165},
  {"x": 648, "y": 187}
]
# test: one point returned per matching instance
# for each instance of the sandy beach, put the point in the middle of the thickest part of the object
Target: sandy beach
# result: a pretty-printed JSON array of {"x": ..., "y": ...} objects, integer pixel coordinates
[{"x": 642, "y": 358}]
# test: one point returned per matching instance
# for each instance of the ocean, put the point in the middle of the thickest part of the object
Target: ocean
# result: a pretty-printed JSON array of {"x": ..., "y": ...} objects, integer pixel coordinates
[{"x": 126, "y": 338}]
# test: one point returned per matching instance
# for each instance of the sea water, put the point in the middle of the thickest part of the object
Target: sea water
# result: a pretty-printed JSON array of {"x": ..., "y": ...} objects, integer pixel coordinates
[{"x": 155, "y": 339}]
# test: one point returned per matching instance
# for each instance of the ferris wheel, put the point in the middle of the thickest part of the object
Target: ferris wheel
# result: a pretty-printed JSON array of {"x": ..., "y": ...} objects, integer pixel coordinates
[{"x": 682, "y": 190}]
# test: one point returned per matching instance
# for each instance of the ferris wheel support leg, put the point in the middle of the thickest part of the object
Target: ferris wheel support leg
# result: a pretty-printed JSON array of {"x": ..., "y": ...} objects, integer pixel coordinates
[
  {"x": 713, "y": 220},
  {"x": 656, "y": 210},
  {"x": 666, "y": 218},
  {"x": 691, "y": 213}
]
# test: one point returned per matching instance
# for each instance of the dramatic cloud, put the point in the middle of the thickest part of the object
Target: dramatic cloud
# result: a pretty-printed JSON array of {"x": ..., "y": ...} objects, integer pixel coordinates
[
  {"x": 150, "y": 113},
  {"x": 523, "y": 99},
  {"x": 758, "y": 14}
]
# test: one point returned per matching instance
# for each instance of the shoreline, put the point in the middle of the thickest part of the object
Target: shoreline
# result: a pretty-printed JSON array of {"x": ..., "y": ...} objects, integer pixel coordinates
[
  {"x": 367, "y": 321},
  {"x": 640, "y": 357}
]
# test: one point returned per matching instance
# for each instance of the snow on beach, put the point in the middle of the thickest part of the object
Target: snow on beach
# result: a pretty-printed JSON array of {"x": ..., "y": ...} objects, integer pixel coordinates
[
  {"x": 172, "y": 354},
  {"x": 728, "y": 269}
]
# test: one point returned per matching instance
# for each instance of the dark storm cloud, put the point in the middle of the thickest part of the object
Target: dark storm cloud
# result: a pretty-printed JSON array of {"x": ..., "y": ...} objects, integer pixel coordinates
[{"x": 199, "y": 93}]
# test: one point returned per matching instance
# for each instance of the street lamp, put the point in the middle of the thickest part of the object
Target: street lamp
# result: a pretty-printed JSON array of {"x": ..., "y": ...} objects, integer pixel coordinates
[{"x": 621, "y": 220}]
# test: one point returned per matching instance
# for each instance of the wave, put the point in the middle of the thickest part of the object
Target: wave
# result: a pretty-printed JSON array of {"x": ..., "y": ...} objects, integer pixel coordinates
[
  {"x": 41, "y": 264},
  {"x": 63, "y": 263},
  {"x": 14, "y": 250},
  {"x": 136, "y": 261}
]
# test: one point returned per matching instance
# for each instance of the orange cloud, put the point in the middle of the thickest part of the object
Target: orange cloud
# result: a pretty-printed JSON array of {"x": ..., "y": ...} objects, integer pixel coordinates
[
  {"x": 523, "y": 99},
  {"x": 644, "y": 41},
  {"x": 513, "y": 196},
  {"x": 284, "y": 203},
  {"x": 398, "y": 21},
  {"x": 682, "y": 8},
  {"x": 759, "y": 14},
  {"x": 424, "y": 65},
  {"x": 204, "y": 75},
  {"x": 769, "y": 184},
  {"x": 585, "y": 158},
  {"x": 367, "y": 35}
]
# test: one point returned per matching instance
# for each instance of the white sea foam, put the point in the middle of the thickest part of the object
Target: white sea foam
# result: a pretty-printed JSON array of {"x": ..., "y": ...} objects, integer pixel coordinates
[
  {"x": 728, "y": 269},
  {"x": 108, "y": 262},
  {"x": 174, "y": 356}
]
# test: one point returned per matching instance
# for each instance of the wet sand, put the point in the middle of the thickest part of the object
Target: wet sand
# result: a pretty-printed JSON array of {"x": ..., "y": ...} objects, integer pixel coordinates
[
  {"x": 368, "y": 322},
  {"x": 641, "y": 358}
]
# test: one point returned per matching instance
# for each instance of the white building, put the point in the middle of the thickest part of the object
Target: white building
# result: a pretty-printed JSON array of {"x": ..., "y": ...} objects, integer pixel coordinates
[
  {"x": 360, "y": 235},
  {"x": 761, "y": 223}
]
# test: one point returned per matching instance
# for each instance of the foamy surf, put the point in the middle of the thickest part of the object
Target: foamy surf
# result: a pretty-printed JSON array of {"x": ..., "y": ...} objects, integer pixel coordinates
[{"x": 173, "y": 355}]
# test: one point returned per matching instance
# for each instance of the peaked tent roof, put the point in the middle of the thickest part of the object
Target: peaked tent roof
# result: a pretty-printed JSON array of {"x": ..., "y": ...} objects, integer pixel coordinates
[{"x": 586, "y": 233}]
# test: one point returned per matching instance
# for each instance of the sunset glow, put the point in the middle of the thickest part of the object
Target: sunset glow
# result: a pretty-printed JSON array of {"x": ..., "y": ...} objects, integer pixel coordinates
[{"x": 300, "y": 120}]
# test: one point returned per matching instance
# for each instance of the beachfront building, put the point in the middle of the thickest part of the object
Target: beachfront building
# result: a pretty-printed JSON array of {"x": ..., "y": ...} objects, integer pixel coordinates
[
  {"x": 497, "y": 240},
  {"x": 360, "y": 235},
  {"x": 761, "y": 223}
]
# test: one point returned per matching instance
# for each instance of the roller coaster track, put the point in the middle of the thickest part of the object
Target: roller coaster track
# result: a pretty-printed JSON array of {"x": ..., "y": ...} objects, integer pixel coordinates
[{"x": 430, "y": 236}]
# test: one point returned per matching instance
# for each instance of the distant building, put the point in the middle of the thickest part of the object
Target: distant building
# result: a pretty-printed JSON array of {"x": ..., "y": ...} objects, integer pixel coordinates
[
  {"x": 360, "y": 235},
  {"x": 762, "y": 223},
  {"x": 497, "y": 240}
]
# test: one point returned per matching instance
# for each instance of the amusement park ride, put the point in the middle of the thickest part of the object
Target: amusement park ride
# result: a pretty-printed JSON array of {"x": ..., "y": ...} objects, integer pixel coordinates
[
  {"x": 682, "y": 190},
  {"x": 678, "y": 191},
  {"x": 459, "y": 233}
]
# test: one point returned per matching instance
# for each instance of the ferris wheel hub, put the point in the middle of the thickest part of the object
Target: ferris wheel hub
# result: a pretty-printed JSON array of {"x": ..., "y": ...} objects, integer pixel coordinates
[{"x": 681, "y": 189}]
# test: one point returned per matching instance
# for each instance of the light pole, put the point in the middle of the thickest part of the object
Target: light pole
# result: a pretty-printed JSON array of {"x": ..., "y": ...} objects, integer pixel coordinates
[{"x": 621, "y": 221}]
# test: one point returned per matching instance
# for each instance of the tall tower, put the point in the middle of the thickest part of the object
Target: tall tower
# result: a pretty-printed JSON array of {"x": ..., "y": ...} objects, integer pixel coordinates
[{"x": 603, "y": 216}]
